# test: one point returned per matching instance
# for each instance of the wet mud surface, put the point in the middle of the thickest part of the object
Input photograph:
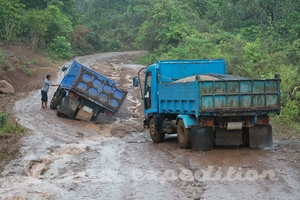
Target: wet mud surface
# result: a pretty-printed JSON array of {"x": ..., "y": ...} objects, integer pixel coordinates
[{"x": 70, "y": 159}]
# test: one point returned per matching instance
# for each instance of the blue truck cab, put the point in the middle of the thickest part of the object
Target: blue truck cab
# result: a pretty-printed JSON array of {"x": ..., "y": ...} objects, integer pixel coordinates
[{"x": 205, "y": 106}]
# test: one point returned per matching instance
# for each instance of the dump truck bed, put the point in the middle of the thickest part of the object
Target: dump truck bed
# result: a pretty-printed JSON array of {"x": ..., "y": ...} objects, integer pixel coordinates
[
  {"x": 222, "y": 95},
  {"x": 93, "y": 86}
]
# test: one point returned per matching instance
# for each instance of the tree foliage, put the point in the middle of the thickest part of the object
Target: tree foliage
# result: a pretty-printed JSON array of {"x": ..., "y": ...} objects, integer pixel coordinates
[{"x": 10, "y": 20}]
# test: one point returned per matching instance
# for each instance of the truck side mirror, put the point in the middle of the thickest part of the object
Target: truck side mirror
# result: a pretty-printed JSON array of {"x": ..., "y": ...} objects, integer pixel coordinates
[
  {"x": 64, "y": 68},
  {"x": 135, "y": 82}
]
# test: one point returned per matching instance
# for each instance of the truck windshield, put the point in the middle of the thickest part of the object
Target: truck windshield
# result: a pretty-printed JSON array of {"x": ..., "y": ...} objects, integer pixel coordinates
[
  {"x": 148, "y": 91},
  {"x": 148, "y": 82}
]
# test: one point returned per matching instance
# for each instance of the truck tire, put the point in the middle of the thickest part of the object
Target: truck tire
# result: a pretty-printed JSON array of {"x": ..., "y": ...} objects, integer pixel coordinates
[
  {"x": 56, "y": 99},
  {"x": 157, "y": 137},
  {"x": 183, "y": 135}
]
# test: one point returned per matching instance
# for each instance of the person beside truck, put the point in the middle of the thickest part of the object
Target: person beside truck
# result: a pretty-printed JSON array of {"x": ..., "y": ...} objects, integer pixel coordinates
[{"x": 44, "y": 90}]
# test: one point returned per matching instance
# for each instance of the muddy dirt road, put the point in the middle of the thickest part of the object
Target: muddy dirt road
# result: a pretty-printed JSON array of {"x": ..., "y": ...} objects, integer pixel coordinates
[{"x": 69, "y": 159}]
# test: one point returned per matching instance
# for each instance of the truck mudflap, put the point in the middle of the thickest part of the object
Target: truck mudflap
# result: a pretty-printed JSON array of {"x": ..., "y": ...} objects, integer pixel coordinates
[
  {"x": 67, "y": 107},
  {"x": 260, "y": 136},
  {"x": 202, "y": 138}
]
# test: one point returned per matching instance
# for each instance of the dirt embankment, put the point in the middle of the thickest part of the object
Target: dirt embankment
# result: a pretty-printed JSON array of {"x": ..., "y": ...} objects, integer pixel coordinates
[{"x": 25, "y": 71}]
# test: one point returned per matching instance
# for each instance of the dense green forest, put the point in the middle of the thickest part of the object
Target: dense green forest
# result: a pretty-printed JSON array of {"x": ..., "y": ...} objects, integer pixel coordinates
[{"x": 258, "y": 38}]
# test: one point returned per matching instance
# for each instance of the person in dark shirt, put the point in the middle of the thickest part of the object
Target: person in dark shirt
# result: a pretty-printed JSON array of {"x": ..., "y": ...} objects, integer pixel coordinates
[{"x": 44, "y": 90}]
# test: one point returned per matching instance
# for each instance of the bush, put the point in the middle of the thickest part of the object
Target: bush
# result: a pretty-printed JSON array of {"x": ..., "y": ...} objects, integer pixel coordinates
[
  {"x": 3, "y": 62},
  {"x": 3, "y": 119},
  {"x": 9, "y": 127},
  {"x": 27, "y": 70},
  {"x": 60, "y": 48}
]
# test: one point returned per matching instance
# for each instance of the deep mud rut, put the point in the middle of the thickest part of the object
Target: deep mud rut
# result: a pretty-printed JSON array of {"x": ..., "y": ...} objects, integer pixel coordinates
[{"x": 70, "y": 159}]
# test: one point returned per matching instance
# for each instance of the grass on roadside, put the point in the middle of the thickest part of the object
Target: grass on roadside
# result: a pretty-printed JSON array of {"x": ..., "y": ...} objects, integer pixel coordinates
[
  {"x": 10, "y": 133},
  {"x": 285, "y": 128}
]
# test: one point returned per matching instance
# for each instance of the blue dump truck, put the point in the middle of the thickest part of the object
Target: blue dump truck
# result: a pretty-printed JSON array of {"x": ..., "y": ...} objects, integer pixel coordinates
[
  {"x": 87, "y": 95},
  {"x": 205, "y": 106}
]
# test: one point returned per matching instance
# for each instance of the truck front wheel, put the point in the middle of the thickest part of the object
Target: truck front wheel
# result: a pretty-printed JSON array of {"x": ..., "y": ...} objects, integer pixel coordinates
[
  {"x": 56, "y": 99},
  {"x": 156, "y": 137},
  {"x": 183, "y": 135}
]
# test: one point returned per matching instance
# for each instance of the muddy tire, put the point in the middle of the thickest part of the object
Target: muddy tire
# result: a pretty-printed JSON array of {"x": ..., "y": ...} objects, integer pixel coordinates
[
  {"x": 56, "y": 99},
  {"x": 155, "y": 136},
  {"x": 183, "y": 135}
]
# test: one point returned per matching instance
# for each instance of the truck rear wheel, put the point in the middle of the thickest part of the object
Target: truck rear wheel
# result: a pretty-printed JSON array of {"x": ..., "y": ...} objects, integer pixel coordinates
[
  {"x": 156, "y": 137},
  {"x": 183, "y": 135}
]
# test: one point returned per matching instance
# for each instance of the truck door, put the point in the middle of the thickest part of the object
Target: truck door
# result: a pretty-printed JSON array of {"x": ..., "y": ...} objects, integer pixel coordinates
[{"x": 147, "y": 91}]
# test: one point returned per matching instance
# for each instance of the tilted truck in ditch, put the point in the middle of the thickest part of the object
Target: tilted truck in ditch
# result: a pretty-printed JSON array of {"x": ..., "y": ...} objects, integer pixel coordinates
[
  {"x": 87, "y": 95},
  {"x": 205, "y": 106}
]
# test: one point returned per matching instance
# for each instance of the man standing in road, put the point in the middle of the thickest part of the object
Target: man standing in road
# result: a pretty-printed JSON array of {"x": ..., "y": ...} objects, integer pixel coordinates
[{"x": 44, "y": 90}]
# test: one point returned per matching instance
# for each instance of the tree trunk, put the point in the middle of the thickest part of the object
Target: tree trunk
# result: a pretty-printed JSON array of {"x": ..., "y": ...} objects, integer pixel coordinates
[{"x": 34, "y": 40}]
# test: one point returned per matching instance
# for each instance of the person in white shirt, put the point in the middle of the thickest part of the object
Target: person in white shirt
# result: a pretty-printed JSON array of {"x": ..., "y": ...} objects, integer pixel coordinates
[{"x": 44, "y": 90}]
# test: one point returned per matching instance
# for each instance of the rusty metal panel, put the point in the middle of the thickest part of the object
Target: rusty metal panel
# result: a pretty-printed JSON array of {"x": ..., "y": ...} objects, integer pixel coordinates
[
  {"x": 271, "y": 86},
  {"x": 245, "y": 87},
  {"x": 231, "y": 97},
  {"x": 246, "y": 100},
  {"x": 232, "y": 101},
  {"x": 271, "y": 100},
  {"x": 258, "y": 100},
  {"x": 219, "y": 87},
  {"x": 258, "y": 86},
  {"x": 220, "y": 101},
  {"x": 207, "y": 102},
  {"x": 243, "y": 96}
]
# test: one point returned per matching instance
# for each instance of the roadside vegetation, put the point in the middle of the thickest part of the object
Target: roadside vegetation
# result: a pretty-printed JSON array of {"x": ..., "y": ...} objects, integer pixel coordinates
[
  {"x": 10, "y": 131},
  {"x": 257, "y": 38}
]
